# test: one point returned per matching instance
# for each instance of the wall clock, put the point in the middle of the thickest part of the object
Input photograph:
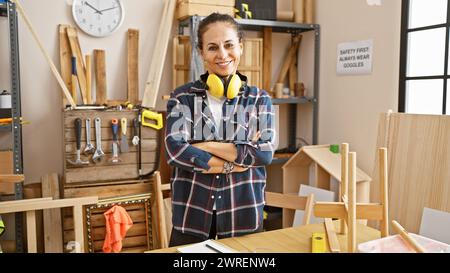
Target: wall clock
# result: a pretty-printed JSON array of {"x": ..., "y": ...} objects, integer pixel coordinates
[{"x": 98, "y": 18}]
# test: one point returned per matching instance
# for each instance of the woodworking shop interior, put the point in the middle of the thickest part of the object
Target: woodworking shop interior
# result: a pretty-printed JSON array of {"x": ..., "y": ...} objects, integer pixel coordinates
[{"x": 358, "y": 102}]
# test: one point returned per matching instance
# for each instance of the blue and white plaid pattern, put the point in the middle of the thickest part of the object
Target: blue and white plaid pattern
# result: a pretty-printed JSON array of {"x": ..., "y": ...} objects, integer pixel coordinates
[{"x": 239, "y": 197}]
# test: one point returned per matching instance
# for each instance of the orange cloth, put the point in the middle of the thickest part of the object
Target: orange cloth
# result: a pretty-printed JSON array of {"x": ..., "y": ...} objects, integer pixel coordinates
[{"x": 118, "y": 222}]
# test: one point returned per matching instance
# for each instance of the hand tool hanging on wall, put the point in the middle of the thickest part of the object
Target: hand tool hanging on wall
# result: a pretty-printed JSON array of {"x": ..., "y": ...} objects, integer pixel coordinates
[
  {"x": 123, "y": 140},
  {"x": 74, "y": 79},
  {"x": 99, "y": 154},
  {"x": 140, "y": 145},
  {"x": 89, "y": 149},
  {"x": 150, "y": 115},
  {"x": 78, "y": 160},
  {"x": 115, "y": 143},
  {"x": 135, "y": 139}
]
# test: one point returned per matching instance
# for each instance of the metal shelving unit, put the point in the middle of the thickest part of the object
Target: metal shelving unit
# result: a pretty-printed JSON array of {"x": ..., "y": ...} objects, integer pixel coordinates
[
  {"x": 8, "y": 10},
  {"x": 285, "y": 27}
]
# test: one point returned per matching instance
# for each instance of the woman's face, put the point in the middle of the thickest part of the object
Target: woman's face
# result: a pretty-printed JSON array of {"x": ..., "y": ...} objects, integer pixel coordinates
[{"x": 221, "y": 50}]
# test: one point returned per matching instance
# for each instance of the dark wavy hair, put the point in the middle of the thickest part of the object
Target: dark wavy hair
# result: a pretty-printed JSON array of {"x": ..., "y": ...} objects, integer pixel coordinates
[{"x": 214, "y": 18}]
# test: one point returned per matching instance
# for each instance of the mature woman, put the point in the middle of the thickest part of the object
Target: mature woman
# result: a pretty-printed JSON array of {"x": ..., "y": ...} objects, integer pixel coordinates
[{"x": 219, "y": 136}]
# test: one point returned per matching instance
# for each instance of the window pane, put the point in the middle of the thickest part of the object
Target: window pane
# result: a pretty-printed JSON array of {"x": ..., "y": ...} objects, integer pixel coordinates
[
  {"x": 427, "y": 12},
  {"x": 424, "y": 96},
  {"x": 426, "y": 53}
]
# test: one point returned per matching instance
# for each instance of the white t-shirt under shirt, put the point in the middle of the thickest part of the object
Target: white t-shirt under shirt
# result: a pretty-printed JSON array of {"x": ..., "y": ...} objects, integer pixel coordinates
[{"x": 215, "y": 105}]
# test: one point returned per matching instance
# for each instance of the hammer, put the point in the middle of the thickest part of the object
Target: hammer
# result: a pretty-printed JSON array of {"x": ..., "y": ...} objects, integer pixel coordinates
[{"x": 78, "y": 160}]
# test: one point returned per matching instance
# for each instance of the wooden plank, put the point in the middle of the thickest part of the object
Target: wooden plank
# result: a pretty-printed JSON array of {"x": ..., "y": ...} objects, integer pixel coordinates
[
  {"x": 351, "y": 216},
  {"x": 79, "y": 227},
  {"x": 289, "y": 201},
  {"x": 422, "y": 178},
  {"x": 309, "y": 11},
  {"x": 161, "y": 220},
  {"x": 24, "y": 201},
  {"x": 159, "y": 56},
  {"x": 11, "y": 178},
  {"x": 140, "y": 249},
  {"x": 127, "y": 188},
  {"x": 133, "y": 65},
  {"x": 344, "y": 180},
  {"x": 289, "y": 58},
  {"x": 299, "y": 11},
  {"x": 333, "y": 241},
  {"x": 99, "y": 233},
  {"x": 88, "y": 78},
  {"x": 337, "y": 210},
  {"x": 33, "y": 190},
  {"x": 100, "y": 76},
  {"x": 52, "y": 217},
  {"x": 293, "y": 74},
  {"x": 105, "y": 116},
  {"x": 267, "y": 57},
  {"x": 127, "y": 242},
  {"x": 93, "y": 174},
  {"x": 77, "y": 53},
  {"x": 42, "y": 203},
  {"x": 31, "y": 231},
  {"x": 384, "y": 224},
  {"x": 65, "y": 55}
]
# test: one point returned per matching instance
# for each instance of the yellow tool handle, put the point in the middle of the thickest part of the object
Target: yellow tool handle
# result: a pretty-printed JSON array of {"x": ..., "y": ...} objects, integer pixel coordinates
[
  {"x": 157, "y": 117},
  {"x": 318, "y": 242},
  {"x": 123, "y": 125}
]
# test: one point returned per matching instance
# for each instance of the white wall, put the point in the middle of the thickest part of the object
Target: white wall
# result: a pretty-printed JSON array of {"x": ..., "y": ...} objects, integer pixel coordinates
[{"x": 349, "y": 106}]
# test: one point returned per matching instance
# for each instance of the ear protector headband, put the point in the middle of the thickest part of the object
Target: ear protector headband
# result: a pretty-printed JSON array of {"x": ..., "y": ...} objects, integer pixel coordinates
[{"x": 219, "y": 87}]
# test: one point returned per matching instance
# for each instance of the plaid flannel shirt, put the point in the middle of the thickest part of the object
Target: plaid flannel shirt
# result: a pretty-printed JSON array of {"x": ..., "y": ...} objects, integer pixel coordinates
[{"x": 239, "y": 197}]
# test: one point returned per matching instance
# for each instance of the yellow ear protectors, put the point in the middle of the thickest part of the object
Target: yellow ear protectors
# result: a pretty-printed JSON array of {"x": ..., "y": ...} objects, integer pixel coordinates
[{"x": 218, "y": 88}]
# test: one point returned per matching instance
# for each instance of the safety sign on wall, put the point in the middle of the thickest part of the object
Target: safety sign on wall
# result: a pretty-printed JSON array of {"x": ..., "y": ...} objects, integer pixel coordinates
[{"x": 354, "y": 58}]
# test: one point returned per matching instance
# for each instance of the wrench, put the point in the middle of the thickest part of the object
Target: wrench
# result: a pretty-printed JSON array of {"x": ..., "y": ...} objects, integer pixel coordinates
[
  {"x": 89, "y": 149},
  {"x": 99, "y": 154}
]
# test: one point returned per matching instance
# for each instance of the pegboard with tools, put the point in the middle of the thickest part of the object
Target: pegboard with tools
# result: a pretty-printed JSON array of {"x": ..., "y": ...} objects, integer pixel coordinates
[{"x": 114, "y": 147}]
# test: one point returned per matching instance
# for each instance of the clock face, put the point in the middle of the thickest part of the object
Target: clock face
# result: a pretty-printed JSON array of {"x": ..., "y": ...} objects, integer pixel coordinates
[{"x": 98, "y": 18}]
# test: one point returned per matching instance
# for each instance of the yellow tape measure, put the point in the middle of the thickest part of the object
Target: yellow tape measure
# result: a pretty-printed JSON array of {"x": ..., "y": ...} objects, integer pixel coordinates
[{"x": 318, "y": 242}]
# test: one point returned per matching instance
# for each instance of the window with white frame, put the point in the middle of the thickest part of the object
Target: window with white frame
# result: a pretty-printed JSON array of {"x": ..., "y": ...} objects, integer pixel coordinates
[{"x": 424, "y": 63}]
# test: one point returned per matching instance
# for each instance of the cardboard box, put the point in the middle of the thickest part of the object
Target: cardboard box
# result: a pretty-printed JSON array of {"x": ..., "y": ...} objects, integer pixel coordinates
[{"x": 196, "y": 7}]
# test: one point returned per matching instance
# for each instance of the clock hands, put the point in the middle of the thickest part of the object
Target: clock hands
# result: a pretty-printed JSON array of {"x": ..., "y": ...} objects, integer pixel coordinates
[
  {"x": 96, "y": 10},
  {"x": 108, "y": 9}
]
